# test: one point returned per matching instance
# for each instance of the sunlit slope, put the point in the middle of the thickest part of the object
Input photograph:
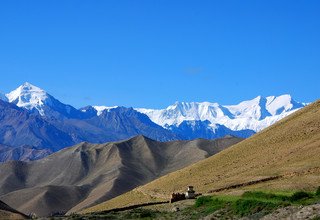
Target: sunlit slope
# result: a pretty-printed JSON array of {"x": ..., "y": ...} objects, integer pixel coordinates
[{"x": 289, "y": 148}]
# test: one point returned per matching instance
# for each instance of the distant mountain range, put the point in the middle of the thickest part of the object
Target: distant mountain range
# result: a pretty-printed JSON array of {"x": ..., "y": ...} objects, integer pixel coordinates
[
  {"x": 255, "y": 114},
  {"x": 34, "y": 124}
]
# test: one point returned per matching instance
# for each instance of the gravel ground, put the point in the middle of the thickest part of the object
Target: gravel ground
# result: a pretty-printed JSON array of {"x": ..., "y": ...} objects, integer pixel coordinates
[
  {"x": 287, "y": 213},
  {"x": 291, "y": 212}
]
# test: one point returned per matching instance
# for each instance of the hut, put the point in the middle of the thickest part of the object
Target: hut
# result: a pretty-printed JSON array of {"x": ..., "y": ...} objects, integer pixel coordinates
[{"x": 190, "y": 194}]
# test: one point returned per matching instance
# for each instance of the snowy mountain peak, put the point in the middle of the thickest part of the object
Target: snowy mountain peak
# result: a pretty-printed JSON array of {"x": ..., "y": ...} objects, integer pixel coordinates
[
  {"x": 254, "y": 114},
  {"x": 100, "y": 109},
  {"x": 27, "y": 91},
  {"x": 29, "y": 96},
  {"x": 40, "y": 102},
  {"x": 283, "y": 103},
  {"x": 29, "y": 85},
  {"x": 191, "y": 105}
]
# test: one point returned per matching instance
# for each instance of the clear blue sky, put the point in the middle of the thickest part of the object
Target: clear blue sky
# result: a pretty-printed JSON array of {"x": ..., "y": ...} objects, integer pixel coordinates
[{"x": 152, "y": 53}]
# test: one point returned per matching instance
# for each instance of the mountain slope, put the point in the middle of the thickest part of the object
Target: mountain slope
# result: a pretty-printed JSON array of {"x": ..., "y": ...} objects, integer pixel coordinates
[
  {"x": 87, "y": 174},
  {"x": 189, "y": 130},
  {"x": 19, "y": 128},
  {"x": 6, "y": 212},
  {"x": 289, "y": 149},
  {"x": 23, "y": 153},
  {"x": 121, "y": 122},
  {"x": 112, "y": 125},
  {"x": 3, "y": 97}
]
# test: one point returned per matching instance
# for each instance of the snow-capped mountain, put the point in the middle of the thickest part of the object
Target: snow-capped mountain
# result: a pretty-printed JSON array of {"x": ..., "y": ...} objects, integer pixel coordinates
[
  {"x": 30, "y": 97},
  {"x": 37, "y": 100},
  {"x": 255, "y": 114}
]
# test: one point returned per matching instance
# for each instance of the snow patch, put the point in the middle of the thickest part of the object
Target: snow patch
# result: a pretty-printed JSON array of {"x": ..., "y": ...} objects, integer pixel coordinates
[{"x": 100, "y": 109}]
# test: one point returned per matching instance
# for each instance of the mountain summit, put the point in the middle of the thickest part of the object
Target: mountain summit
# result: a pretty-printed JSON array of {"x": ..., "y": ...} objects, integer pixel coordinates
[
  {"x": 37, "y": 100},
  {"x": 30, "y": 97}
]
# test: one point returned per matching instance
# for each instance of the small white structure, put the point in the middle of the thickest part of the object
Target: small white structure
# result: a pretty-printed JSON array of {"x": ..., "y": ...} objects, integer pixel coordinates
[{"x": 190, "y": 194}]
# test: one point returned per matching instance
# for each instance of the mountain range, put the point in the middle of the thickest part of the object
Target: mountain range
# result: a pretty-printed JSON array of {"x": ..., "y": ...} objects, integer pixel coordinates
[
  {"x": 33, "y": 123},
  {"x": 87, "y": 174},
  {"x": 255, "y": 114}
]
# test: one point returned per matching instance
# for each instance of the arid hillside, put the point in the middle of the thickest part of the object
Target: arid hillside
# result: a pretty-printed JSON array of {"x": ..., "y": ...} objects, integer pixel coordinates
[{"x": 88, "y": 174}]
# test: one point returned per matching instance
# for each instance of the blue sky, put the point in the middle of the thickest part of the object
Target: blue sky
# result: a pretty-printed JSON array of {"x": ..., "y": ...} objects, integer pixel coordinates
[{"x": 152, "y": 53}]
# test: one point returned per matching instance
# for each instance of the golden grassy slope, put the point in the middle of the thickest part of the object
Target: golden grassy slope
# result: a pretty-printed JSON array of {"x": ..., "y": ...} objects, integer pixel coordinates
[
  {"x": 290, "y": 148},
  {"x": 10, "y": 215}
]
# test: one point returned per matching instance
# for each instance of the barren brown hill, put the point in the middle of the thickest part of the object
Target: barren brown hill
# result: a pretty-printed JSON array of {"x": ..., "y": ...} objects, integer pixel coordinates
[
  {"x": 6, "y": 212},
  {"x": 87, "y": 174},
  {"x": 288, "y": 150}
]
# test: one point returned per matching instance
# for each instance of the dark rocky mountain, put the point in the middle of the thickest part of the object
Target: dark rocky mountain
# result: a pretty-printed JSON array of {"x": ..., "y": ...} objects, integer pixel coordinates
[
  {"x": 18, "y": 127},
  {"x": 121, "y": 123},
  {"x": 112, "y": 125},
  {"x": 87, "y": 174}
]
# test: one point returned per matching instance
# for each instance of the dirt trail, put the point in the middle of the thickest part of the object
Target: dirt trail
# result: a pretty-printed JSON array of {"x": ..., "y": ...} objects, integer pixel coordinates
[{"x": 245, "y": 184}]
